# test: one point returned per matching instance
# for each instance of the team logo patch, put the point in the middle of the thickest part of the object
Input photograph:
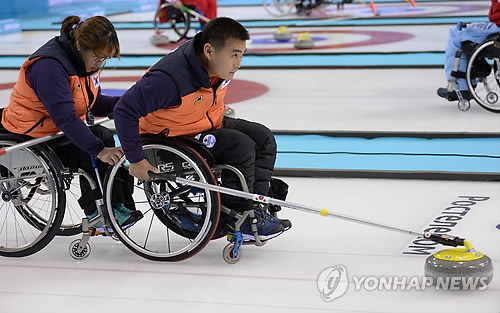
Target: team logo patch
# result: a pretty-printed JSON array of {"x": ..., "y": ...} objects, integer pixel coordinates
[
  {"x": 209, "y": 140},
  {"x": 95, "y": 80},
  {"x": 225, "y": 83},
  {"x": 78, "y": 86},
  {"x": 198, "y": 100}
]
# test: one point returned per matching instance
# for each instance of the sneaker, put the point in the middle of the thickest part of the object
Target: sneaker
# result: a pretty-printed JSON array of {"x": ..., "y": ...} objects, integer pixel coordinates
[
  {"x": 189, "y": 221},
  {"x": 443, "y": 92},
  {"x": 452, "y": 96},
  {"x": 266, "y": 229},
  {"x": 97, "y": 229},
  {"x": 262, "y": 211},
  {"x": 125, "y": 216}
]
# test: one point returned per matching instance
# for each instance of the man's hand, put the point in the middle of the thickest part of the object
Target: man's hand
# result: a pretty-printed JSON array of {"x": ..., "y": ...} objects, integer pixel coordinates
[
  {"x": 178, "y": 4},
  {"x": 110, "y": 155},
  {"x": 140, "y": 169}
]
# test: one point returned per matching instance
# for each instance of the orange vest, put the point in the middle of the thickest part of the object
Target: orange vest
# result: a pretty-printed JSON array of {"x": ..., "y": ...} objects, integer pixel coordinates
[
  {"x": 198, "y": 110},
  {"x": 25, "y": 114}
]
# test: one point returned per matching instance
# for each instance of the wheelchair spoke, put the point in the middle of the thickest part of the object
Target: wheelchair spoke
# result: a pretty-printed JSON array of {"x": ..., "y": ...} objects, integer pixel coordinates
[
  {"x": 149, "y": 230},
  {"x": 4, "y": 221}
]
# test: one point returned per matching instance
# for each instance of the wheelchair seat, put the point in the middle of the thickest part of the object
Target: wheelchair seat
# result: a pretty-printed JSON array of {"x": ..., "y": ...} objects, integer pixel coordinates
[{"x": 469, "y": 46}]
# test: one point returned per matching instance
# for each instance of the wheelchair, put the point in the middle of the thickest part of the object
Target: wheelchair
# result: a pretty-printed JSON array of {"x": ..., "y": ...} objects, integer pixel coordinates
[
  {"x": 178, "y": 19},
  {"x": 179, "y": 220},
  {"x": 482, "y": 74},
  {"x": 280, "y": 8}
]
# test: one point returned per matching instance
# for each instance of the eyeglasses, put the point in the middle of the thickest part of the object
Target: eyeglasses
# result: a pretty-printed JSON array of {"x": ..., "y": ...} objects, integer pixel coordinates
[{"x": 101, "y": 60}]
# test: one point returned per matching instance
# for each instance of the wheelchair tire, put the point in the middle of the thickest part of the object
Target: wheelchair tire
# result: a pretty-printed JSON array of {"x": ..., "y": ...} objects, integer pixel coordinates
[
  {"x": 486, "y": 91},
  {"x": 178, "y": 19},
  {"x": 32, "y": 198},
  {"x": 178, "y": 220}
]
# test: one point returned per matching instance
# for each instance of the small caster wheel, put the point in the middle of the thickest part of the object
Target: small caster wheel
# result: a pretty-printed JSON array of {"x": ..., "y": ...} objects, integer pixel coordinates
[
  {"x": 227, "y": 254},
  {"x": 492, "y": 98},
  {"x": 75, "y": 254},
  {"x": 464, "y": 105}
]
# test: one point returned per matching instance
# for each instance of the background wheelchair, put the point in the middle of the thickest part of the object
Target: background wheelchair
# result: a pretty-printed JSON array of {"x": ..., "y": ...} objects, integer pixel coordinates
[
  {"x": 180, "y": 20},
  {"x": 482, "y": 74},
  {"x": 280, "y": 8},
  {"x": 303, "y": 7}
]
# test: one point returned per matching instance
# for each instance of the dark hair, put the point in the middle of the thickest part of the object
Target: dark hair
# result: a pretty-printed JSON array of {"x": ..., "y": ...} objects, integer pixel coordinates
[
  {"x": 220, "y": 29},
  {"x": 94, "y": 33}
]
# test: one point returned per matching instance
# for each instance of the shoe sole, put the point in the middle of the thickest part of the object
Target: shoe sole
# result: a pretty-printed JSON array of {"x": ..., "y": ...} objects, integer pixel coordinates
[
  {"x": 251, "y": 238},
  {"x": 247, "y": 237},
  {"x": 134, "y": 218}
]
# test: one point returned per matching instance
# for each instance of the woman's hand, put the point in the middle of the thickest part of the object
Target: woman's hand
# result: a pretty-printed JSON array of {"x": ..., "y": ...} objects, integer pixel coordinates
[
  {"x": 178, "y": 4},
  {"x": 110, "y": 155}
]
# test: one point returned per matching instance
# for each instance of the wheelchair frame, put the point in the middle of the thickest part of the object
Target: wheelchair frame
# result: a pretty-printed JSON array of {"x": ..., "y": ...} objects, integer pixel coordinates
[{"x": 482, "y": 74}]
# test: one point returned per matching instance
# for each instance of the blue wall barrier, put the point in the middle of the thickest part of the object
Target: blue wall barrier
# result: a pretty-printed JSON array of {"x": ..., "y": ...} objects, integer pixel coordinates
[
  {"x": 21, "y": 8},
  {"x": 17, "y": 8},
  {"x": 10, "y": 25}
]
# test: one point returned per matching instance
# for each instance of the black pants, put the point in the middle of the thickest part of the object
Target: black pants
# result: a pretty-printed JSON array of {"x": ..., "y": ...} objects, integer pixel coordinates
[
  {"x": 73, "y": 158},
  {"x": 251, "y": 148}
]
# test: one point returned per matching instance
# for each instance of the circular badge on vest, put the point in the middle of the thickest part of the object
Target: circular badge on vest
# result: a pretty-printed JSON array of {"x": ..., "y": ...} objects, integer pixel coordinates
[{"x": 209, "y": 140}]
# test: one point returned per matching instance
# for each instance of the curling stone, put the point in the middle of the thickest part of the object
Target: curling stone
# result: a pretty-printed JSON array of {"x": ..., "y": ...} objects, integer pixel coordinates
[
  {"x": 460, "y": 265},
  {"x": 159, "y": 39},
  {"x": 282, "y": 34},
  {"x": 303, "y": 41}
]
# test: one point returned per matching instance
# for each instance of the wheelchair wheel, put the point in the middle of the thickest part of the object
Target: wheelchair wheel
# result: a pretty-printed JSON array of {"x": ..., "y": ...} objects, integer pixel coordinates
[
  {"x": 179, "y": 220},
  {"x": 32, "y": 198},
  {"x": 279, "y": 8},
  {"x": 178, "y": 19},
  {"x": 72, "y": 222},
  {"x": 485, "y": 88}
]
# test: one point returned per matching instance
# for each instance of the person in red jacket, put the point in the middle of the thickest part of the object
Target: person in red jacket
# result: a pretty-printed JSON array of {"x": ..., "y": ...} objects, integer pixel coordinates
[
  {"x": 475, "y": 32},
  {"x": 206, "y": 7}
]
